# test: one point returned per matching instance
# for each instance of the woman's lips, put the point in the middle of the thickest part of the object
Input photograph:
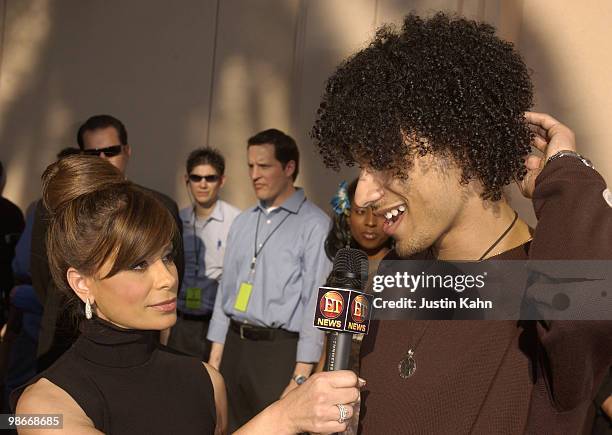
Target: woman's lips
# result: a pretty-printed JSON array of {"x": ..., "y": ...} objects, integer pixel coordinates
[
  {"x": 369, "y": 236},
  {"x": 165, "y": 306}
]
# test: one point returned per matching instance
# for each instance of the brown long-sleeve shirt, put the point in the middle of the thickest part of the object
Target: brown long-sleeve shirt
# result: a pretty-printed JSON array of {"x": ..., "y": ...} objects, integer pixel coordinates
[{"x": 502, "y": 377}]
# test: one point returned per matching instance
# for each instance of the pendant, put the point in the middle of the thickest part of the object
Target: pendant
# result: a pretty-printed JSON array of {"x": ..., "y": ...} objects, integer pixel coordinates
[{"x": 407, "y": 365}]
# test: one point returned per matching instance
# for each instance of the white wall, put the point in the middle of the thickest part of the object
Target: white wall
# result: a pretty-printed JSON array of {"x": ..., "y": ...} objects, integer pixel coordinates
[{"x": 187, "y": 73}]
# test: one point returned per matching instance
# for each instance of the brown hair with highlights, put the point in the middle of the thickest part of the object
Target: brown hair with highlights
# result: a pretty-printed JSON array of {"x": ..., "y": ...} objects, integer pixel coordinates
[{"x": 97, "y": 215}]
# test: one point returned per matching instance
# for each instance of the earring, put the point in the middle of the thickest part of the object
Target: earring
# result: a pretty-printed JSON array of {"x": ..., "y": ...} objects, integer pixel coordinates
[{"x": 88, "y": 313}]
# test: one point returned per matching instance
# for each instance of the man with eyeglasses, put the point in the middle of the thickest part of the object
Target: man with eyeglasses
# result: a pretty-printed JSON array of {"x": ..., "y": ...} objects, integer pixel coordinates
[
  {"x": 206, "y": 224},
  {"x": 104, "y": 136}
]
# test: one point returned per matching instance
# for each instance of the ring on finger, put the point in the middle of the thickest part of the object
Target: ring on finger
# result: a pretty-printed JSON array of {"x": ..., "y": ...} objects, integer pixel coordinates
[{"x": 343, "y": 413}]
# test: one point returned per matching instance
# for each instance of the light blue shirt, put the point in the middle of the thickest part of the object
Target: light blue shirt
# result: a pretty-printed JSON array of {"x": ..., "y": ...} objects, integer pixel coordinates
[
  {"x": 209, "y": 242},
  {"x": 288, "y": 272}
]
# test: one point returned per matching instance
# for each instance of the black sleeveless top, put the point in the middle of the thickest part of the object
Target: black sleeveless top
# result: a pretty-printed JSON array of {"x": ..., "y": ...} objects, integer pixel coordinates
[{"x": 128, "y": 383}]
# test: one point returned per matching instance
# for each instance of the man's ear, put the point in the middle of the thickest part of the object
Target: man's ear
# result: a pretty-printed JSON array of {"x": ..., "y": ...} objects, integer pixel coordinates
[
  {"x": 80, "y": 284},
  {"x": 186, "y": 179},
  {"x": 289, "y": 168},
  {"x": 222, "y": 181},
  {"x": 128, "y": 150}
]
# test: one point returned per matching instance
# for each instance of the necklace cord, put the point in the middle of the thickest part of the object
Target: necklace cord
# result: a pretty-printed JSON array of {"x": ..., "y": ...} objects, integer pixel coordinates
[{"x": 505, "y": 233}]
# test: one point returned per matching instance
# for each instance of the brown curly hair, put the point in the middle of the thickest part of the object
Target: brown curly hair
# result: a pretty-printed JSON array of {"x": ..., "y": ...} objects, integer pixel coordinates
[{"x": 442, "y": 85}]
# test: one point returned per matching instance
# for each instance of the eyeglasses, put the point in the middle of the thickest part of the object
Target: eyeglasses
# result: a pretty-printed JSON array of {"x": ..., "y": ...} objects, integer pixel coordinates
[
  {"x": 209, "y": 178},
  {"x": 111, "y": 151}
]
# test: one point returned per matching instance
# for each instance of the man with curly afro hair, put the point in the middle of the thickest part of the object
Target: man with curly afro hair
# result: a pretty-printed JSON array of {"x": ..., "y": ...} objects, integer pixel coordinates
[{"x": 436, "y": 116}]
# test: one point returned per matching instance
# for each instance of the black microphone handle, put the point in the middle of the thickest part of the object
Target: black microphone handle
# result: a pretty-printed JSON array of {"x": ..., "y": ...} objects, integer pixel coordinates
[{"x": 338, "y": 350}]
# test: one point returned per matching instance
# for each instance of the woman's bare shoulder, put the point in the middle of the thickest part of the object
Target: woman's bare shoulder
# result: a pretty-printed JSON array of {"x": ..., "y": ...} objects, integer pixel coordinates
[
  {"x": 220, "y": 398},
  {"x": 44, "y": 397}
]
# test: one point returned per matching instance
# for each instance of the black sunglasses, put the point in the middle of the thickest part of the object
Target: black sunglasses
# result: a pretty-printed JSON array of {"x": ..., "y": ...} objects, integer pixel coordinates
[
  {"x": 209, "y": 178},
  {"x": 111, "y": 151}
]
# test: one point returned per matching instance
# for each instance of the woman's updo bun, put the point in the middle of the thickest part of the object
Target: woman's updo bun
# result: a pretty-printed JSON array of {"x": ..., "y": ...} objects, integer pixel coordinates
[
  {"x": 74, "y": 176},
  {"x": 100, "y": 223}
]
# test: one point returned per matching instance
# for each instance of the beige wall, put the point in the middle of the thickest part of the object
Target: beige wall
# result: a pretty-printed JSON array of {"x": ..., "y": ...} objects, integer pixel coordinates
[{"x": 184, "y": 74}]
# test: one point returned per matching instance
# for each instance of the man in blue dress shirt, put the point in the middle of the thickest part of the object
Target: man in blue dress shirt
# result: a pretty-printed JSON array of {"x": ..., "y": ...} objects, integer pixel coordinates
[
  {"x": 263, "y": 339},
  {"x": 206, "y": 224}
]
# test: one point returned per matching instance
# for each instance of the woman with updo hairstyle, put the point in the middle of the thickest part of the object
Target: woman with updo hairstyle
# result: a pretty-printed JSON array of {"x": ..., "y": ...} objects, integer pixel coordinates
[{"x": 110, "y": 250}]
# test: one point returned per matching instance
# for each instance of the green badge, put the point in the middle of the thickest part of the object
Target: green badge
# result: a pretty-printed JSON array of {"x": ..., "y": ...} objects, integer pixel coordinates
[
  {"x": 244, "y": 293},
  {"x": 194, "y": 298}
]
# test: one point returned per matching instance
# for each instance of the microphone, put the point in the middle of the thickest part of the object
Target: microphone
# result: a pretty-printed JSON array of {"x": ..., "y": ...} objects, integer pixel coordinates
[{"x": 342, "y": 306}]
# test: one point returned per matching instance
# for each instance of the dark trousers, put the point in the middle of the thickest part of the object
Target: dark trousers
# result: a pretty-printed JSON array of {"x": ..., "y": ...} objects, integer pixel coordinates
[
  {"x": 188, "y": 335},
  {"x": 256, "y": 372}
]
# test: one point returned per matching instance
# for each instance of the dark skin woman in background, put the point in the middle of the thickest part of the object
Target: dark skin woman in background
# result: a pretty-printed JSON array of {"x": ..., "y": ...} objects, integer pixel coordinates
[{"x": 356, "y": 227}]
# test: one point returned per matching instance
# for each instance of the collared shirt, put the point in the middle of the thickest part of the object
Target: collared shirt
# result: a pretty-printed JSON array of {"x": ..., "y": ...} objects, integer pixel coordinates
[
  {"x": 204, "y": 270},
  {"x": 289, "y": 269}
]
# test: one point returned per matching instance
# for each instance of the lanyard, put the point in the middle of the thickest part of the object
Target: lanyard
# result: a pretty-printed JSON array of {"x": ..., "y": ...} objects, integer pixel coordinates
[{"x": 257, "y": 251}]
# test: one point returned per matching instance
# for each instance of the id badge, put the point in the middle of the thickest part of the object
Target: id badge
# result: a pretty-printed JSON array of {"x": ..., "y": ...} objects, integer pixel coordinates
[
  {"x": 193, "y": 300},
  {"x": 244, "y": 294}
]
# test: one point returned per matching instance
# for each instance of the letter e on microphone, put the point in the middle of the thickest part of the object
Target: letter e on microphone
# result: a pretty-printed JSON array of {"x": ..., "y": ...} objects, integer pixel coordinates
[
  {"x": 360, "y": 309},
  {"x": 332, "y": 306}
]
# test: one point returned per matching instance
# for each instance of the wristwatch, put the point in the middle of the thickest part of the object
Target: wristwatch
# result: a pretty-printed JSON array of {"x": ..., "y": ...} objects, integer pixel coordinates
[
  {"x": 299, "y": 379},
  {"x": 568, "y": 153}
]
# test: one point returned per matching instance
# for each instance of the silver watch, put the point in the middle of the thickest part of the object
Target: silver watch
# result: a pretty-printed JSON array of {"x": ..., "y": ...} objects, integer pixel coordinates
[
  {"x": 299, "y": 379},
  {"x": 568, "y": 153}
]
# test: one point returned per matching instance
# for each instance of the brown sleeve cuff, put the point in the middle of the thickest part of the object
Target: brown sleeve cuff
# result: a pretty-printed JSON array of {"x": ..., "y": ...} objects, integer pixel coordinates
[{"x": 574, "y": 219}]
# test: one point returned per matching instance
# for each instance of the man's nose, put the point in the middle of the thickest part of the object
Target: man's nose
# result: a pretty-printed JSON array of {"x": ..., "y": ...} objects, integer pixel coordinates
[
  {"x": 368, "y": 191},
  {"x": 254, "y": 173}
]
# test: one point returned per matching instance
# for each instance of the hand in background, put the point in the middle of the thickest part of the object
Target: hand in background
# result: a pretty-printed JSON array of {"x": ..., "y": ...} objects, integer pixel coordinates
[{"x": 303, "y": 369}]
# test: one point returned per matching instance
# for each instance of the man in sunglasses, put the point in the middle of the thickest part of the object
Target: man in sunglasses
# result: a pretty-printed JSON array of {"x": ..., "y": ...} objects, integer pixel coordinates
[
  {"x": 104, "y": 136},
  {"x": 206, "y": 224}
]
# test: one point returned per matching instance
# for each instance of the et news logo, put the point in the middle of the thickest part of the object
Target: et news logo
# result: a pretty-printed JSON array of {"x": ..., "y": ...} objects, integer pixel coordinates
[
  {"x": 359, "y": 309},
  {"x": 343, "y": 310},
  {"x": 331, "y": 305}
]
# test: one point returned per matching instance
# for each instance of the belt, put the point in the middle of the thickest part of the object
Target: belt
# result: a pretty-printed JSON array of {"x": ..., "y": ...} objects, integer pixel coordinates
[
  {"x": 260, "y": 333},
  {"x": 198, "y": 317}
]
